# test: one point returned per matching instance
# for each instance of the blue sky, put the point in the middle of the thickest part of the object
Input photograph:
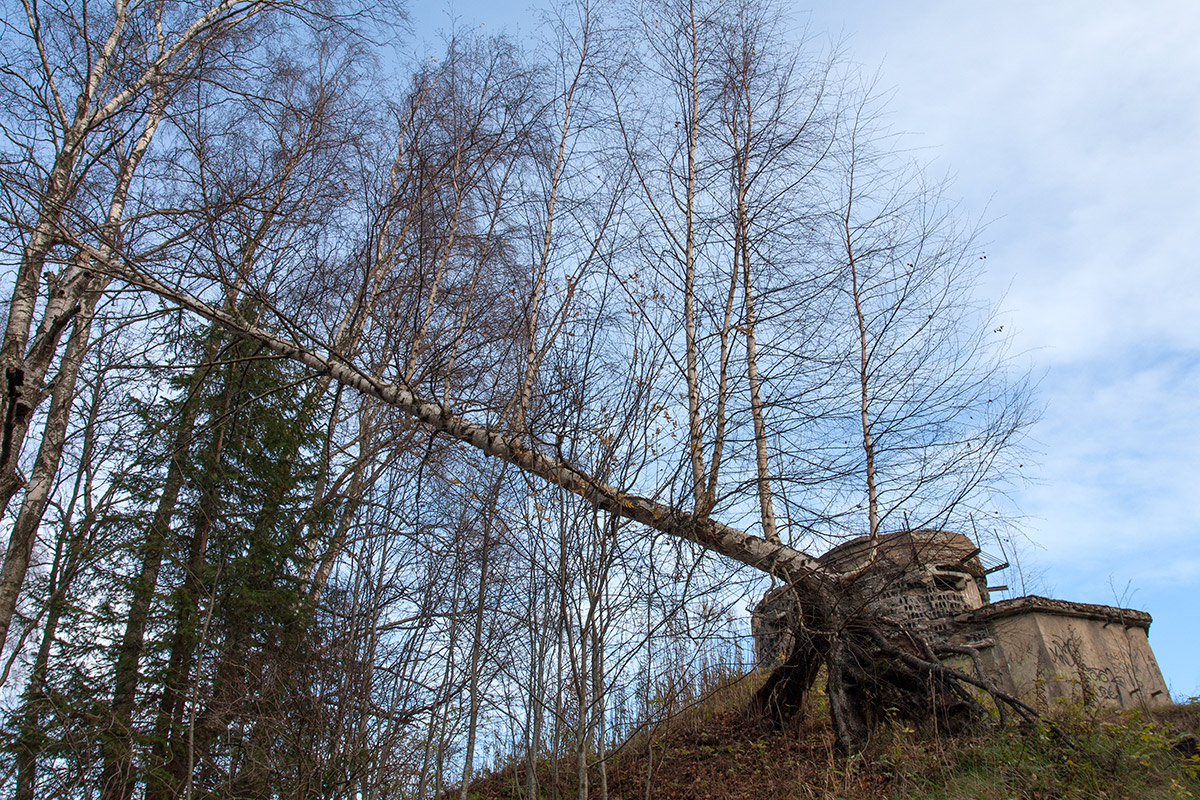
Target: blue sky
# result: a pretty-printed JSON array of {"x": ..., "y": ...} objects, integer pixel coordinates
[{"x": 1073, "y": 130}]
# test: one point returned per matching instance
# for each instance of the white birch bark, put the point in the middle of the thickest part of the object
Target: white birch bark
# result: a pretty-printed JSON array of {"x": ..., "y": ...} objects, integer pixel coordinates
[
  {"x": 23, "y": 368},
  {"x": 864, "y": 382},
  {"x": 37, "y": 494},
  {"x": 692, "y": 117},
  {"x": 731, "y": 542}
]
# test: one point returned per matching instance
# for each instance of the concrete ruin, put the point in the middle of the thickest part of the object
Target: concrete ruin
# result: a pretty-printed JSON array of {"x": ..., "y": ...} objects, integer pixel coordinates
[{"x": 935, "y": 583}]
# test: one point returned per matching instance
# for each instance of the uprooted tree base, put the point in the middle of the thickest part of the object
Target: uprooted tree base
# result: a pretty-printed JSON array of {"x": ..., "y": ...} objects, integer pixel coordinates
[{"x": 876, "y": 669}]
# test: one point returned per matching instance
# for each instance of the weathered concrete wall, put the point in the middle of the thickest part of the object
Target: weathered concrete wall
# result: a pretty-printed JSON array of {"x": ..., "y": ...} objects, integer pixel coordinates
[
  {"x": 1038, "y": 648},
  {"x": 1045, "y": 650},
  {"x": 924, "y": 579}
]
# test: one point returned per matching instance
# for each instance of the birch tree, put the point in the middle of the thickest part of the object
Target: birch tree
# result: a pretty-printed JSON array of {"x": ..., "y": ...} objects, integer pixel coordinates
[
  {"x": 937, "y": 412},
  {"x": 547, "y": 274}
]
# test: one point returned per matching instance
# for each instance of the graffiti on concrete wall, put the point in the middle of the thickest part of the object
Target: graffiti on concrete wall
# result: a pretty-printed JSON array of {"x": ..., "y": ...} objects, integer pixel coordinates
[{"x": 1095, "y": 682}]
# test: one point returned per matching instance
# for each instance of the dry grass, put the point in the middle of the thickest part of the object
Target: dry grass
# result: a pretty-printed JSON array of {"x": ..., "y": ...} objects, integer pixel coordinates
[{"x": 715, "y": 748}]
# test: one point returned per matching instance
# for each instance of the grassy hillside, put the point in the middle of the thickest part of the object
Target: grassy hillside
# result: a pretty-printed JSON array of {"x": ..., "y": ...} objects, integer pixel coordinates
[{"x": 716, "y": 750}]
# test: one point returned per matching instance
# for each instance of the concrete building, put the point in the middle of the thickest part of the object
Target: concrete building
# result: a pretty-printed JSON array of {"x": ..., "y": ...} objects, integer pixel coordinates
[{"x": 935, "y": 583}]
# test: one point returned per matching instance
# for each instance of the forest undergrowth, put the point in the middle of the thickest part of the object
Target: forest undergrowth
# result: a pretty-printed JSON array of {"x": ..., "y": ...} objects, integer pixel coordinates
[{"x": 719, "y": 748}]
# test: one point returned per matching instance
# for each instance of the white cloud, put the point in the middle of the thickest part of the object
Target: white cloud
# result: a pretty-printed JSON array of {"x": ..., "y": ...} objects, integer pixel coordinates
[{"x": 1077, "y": 126}]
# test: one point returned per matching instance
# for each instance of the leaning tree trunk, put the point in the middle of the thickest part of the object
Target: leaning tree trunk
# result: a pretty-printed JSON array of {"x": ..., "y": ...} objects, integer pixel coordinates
[
  {"x": 872, "y": 661},
  {"x": 45, "y": 469}
]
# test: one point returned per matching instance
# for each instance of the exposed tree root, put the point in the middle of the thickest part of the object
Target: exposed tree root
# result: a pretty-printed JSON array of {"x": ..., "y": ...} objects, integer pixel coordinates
[{"x": 877, "y": 669}]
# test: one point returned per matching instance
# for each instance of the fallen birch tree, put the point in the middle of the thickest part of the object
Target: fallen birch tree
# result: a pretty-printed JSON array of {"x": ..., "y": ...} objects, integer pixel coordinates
[
  {"x": 806, "y": 287},
  {"x": 873, "y": 664}
]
